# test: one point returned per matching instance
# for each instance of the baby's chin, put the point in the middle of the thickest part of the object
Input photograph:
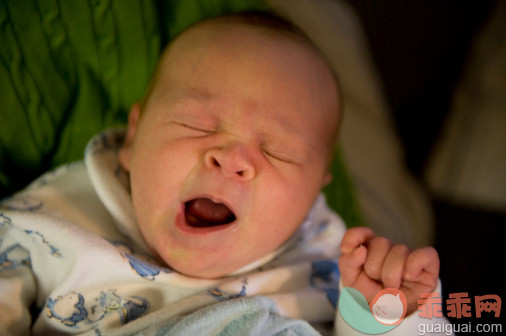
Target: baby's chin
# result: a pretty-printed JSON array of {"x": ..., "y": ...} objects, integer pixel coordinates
[
  {"x": 200, "y": 264},
  {"x": 204, "y": 271},
  {"x": 211, "y": 266}
]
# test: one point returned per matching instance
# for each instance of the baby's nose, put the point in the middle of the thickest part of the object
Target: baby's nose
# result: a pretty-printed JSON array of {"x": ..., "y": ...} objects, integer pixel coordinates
[{"x": 232, "y": 160}]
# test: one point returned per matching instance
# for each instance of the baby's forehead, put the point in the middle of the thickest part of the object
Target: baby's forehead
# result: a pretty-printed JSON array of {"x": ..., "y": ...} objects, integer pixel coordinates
[{"x": 211, "y": 33}]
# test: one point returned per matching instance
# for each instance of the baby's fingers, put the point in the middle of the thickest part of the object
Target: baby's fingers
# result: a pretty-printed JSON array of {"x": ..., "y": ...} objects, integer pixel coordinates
[
  {"x": 354, "y": 238},
  {"x": 350, "y": 265},
  {"x": 393, "y": 267},
  {"x": 422, "y": 266},
  {"x": 354, "y": 254}
]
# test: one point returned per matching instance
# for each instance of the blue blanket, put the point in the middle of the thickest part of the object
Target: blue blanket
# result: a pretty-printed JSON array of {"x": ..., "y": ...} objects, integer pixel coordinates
[{"x": 242, "y": 316}]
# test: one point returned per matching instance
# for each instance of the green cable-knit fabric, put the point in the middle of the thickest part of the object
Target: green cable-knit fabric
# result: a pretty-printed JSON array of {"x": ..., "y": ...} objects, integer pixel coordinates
[{"x": 69, "y": 69}]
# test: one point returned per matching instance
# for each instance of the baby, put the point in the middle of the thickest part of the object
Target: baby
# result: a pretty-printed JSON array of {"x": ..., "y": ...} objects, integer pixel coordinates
[
  {"x": 231, "y": 147},
  {"x": 251, "y": 114},
  {"x": 224, "y": 160}
]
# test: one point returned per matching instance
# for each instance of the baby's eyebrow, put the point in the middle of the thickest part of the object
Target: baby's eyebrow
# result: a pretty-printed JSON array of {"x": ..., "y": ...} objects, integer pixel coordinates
[
  {"x": 194, "y": 94},
  {"x": 284, "y": 123}
]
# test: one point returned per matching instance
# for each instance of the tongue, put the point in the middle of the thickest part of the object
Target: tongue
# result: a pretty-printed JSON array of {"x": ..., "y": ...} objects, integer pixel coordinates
[{"x": 202, "y": 212}]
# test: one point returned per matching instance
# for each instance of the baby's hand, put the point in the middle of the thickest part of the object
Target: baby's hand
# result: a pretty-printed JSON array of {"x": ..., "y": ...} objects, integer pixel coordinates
[{"x": 370, "y": 264}]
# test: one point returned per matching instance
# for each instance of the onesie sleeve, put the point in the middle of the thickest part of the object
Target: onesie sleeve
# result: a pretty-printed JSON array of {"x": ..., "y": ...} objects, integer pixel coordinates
[{"x": 17, "y": 283}]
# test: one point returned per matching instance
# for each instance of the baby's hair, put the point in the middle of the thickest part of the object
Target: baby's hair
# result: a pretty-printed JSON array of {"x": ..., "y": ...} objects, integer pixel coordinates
[{"x": 264, "y": 19}]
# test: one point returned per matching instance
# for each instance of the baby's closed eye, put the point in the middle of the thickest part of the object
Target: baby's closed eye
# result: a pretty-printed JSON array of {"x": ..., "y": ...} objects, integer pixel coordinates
[
  {"x": 281, "y": 157},
  {"x": 196, "y": 129}
]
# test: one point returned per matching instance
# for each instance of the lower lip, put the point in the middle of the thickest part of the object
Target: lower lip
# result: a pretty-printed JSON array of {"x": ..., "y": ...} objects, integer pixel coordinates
[{"x": 183, "y": 226}]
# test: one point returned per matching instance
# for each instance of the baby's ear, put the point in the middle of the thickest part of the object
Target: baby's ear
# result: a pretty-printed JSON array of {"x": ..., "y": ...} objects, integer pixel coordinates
[
  {"x": 133, "y": 118},
  {"x": 125, "y": 152}
]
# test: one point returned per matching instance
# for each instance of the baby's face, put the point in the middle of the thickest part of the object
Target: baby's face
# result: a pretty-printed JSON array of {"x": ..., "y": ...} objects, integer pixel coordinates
[{"x": 231, "y": 148}]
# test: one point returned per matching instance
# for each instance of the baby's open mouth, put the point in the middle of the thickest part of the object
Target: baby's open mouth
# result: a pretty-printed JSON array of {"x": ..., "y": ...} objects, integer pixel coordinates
[{"x": 203, "y": 212}]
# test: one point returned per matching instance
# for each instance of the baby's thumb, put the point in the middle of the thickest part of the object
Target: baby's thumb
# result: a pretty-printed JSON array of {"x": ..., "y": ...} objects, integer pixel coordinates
[{"x": 351, "y": 265}]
